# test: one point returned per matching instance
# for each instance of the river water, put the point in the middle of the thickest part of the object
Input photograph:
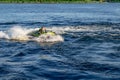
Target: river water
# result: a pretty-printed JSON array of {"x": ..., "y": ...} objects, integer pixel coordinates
[{"x": 90, "y": 50}]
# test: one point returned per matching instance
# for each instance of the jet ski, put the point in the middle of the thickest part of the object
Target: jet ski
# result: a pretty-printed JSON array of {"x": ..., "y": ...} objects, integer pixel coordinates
[
  {"x": 47, "y": 36},
  {"x": 37, "y": 34}
]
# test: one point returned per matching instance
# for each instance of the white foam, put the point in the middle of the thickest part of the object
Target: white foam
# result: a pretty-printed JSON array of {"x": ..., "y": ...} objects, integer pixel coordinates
[
  {"x": 3, "y": 35},
  {"x": 64, "y": 29},
  {"x": 20, "y": 33},
  {"x": 49, "y": 38}
]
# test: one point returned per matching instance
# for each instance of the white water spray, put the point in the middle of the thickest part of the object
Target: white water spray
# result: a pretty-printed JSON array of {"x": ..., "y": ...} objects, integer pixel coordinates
[
  {"x": 18, "y": 33},
  {"x": 22, "y": 34},
  {"x": 3, "y": 35}
]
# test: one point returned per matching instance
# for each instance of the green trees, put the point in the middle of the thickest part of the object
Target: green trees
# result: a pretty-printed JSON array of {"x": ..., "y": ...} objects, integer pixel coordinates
[{"x": 55, "y": 1}]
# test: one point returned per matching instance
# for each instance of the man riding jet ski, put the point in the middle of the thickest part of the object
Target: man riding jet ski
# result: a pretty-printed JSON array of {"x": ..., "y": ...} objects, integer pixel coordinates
[{"x": 42, "y": 31}]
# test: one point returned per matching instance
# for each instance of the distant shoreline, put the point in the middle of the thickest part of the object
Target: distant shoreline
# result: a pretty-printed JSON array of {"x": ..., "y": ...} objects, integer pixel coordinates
[
  {"x": 58, "y": 1},
  {"x": 53, "y": 1}
]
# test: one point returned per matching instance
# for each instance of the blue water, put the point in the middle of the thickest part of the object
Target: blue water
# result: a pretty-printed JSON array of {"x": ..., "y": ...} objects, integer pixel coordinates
[{"x": 90, "y": 51}]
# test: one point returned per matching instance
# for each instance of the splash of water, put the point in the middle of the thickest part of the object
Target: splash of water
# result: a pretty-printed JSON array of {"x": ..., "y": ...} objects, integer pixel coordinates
[
  {"x": 3, "y": 35},
  {"x": 22, "y": 34},
  {"x": 18, "y": 33},
  {"x": 49, "y": 38}
]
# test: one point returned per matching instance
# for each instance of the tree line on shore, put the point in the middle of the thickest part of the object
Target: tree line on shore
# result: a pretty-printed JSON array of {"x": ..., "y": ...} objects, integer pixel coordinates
[{"x": 56, "y": 1}]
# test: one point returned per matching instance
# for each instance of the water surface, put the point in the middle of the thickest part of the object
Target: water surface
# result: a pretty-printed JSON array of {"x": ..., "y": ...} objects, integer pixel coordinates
[{"x": 90, "y": 51}]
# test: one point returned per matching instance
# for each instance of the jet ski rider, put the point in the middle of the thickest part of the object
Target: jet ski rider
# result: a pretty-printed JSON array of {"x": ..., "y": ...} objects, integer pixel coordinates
[{"x": 42, "y": 30}]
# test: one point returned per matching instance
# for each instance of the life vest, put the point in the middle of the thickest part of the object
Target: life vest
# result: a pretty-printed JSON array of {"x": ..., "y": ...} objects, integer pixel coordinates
[{"x": 42, "y": 31}]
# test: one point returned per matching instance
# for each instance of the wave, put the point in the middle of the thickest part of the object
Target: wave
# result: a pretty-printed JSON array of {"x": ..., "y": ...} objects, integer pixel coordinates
[
  {"x": 89, "y": 33},
  {"x": 64, "y": 29},
  {"x": 63, "y": 23},
  {"x": 25, "y": 23},
  {"x": 22, "y": 34},
  {"x": 3, "y": 35}
]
